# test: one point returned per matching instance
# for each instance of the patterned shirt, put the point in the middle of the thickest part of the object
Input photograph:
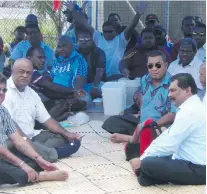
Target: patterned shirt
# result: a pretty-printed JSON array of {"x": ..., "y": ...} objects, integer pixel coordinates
[
  {"x": 65, "y": 70},
  {"x": 7, "y": 126},
  {"x": 154, "y": 101},
  {"x": 21, "y": 49}
]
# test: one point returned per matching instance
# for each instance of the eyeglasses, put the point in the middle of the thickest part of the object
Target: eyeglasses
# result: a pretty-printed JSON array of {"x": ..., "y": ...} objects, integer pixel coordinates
[
  {"x": 85, "y": 39},
  {"x": 199, "y": 34},
  {"x": 157, "y": 65},
  {"x": 108, "y": 31},
  {"x": 3, "y": 90}
]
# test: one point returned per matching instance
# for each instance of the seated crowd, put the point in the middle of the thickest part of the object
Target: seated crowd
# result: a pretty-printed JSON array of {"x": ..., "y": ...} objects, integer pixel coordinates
[{"x": 164, "y": 130}]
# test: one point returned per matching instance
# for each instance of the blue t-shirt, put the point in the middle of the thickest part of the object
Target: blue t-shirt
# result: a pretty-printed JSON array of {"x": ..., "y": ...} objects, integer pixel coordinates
[
  {"x": 155, "y": 101},
  {"x": 21, "y": 49},
  {"x": 65, "y": 70}
]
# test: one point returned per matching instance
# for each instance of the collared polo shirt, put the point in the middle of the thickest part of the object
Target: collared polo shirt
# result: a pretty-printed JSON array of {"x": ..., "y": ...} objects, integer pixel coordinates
[
  {"x": 154, "y": 101},
  {"x": 21, "y": 49},
  {"x": 65, "y": 70}
]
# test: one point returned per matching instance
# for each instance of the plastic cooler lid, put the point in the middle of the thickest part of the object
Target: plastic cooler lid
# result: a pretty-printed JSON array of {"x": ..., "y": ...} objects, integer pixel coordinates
[{"x": 113, "y": 85}]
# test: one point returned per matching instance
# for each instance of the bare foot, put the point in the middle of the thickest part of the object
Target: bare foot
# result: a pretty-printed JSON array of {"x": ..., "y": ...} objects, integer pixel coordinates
[
  {"x": 58, "y": 175},
  {"x": 120, "y": 138}
]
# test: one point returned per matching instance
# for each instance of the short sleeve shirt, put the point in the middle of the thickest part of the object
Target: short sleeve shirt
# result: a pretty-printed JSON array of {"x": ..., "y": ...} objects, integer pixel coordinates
[
  {"x": 155, "y": 102},
  {"x": 7, "y": 126},
  {"x": 21, "y": 49},
  {"x": 114, "y": 51},
  {"x": 95, "y": 59},
  {"x": 25, "y": 107},
  {"x": 65, "y": 70}
]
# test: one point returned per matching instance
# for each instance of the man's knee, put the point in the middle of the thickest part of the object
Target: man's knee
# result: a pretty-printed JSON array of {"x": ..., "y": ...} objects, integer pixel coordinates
[
  {"x": 146, "y": 164},
  {"x": 110, "y": 124}
]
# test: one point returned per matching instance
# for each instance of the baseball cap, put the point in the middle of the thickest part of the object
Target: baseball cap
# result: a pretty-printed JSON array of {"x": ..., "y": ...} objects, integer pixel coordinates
[
  {"x": 151, "y": 17},
  {"x": 31, "y": 19},
  {"x": 77, "y": 8}
]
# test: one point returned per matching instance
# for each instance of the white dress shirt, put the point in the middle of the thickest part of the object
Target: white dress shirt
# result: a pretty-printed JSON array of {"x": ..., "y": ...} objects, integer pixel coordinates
[
  {"x": 204, "y": 100},
  {"x": 185, "y": 139},
  {"x": 201, "y": 53},
  {"x": 24, "y": 108},
  {"x": 193, "y": 68}
]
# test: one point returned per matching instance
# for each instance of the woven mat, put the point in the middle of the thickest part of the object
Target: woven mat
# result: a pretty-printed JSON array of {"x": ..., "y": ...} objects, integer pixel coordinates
[{"x": 99, "y": 167}]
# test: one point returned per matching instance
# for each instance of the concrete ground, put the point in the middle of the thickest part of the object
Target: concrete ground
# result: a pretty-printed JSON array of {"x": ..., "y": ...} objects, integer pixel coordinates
[{"x": 99, "y": 167}]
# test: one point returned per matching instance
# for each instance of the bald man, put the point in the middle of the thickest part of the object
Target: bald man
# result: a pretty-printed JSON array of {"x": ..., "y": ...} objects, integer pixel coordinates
[
  {"x": 203, "y": 81},
  {"x": 25, "y": 106},
  {"x": 70, "y": 69}
]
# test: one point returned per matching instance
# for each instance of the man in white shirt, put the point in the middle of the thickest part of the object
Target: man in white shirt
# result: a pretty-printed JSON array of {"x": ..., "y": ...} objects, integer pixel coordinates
[
  {"x": 178, "y": 155},
  {"x": 187, "y": 62},
  {"x": 199, "y": 35},
  {"x": 25, "y": 106},
  {"x": 112, "y": 44}
]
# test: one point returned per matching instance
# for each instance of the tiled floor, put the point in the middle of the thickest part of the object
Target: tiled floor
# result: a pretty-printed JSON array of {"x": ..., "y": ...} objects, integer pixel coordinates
[{"x": 99, "y": 167}]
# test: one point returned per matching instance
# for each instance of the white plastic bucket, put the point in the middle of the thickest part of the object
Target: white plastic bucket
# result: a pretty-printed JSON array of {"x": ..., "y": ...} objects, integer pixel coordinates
[
  {"x": 114, "y": 97},
  {"x": 131, "y": 88}
]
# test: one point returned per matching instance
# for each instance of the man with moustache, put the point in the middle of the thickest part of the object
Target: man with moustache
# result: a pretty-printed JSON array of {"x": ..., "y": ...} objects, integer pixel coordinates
[{"x": 178, "y": 155}]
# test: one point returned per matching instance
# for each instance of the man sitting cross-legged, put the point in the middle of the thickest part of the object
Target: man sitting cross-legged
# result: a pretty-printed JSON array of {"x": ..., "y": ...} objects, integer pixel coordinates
[
  {"x": 178, "y": 155},
  {"x": 54, "y": 96},
  {"x": 25, "y": 106},
  {"x": 153, "y": 101},
  {"x": 15, "y": 169}
]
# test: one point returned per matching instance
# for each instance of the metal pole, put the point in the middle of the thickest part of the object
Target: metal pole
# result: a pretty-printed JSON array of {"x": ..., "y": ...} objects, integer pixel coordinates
[
  {"x": 90, "y": 12},
  {"x": 96, "y": 14},
  {"x": 167, "y": 10}
]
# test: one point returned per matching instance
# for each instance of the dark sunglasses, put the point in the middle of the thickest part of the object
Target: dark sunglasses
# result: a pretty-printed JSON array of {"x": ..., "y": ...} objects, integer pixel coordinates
[
  {"x": 3, "y": 90},
  {"x": 157, "y": 65},
  {"x": 198, "y": 34},
  {"x": 108, "y": 31}
]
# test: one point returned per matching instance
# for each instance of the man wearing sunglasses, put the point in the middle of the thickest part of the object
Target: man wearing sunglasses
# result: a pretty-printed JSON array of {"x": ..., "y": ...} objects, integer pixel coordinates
[
  {"x": 199, "y": 35},
  {"x": 187, "y": 61},
  {"x": 96, "y": 60},
  {"x": 153, "y": 101},
  {"x": 134, "y": 61},
  {"x": 112, "y": 44}
]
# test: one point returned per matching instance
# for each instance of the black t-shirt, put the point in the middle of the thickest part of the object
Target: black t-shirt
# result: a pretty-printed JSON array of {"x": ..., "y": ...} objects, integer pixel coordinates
[{"x": 95, "y": 59}]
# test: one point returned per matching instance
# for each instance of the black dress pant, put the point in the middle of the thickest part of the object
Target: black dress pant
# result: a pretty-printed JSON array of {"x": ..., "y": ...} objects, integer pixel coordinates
[
  {"x": 122, "y": 124},
  {"x": 10, "y": 174},
  {"x": 162, "y": 170}
]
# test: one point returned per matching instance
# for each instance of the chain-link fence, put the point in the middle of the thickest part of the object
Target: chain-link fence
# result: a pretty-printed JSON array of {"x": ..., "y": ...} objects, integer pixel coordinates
[
  {"x": 170, "y": 13},
  {"x": 13, "y": 14}
]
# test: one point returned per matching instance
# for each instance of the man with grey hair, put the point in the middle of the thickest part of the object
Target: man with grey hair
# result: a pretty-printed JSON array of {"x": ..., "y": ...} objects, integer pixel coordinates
[{"x": 187, "y": 61}]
